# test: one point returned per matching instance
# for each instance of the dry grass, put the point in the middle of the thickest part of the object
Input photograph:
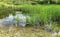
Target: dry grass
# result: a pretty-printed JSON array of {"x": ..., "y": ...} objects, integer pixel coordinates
[{"x": 26, "y": 32}]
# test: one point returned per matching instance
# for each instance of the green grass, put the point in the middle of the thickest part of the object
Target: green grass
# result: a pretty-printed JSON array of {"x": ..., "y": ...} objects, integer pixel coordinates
[{"x": 43, "y": 13}]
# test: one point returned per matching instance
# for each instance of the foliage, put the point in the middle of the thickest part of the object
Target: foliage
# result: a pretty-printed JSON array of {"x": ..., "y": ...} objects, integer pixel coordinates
[
  {"x": 19, "y": 2},
  {"x": 43, "y": 13},
  {"x": 4, "y": 12}
]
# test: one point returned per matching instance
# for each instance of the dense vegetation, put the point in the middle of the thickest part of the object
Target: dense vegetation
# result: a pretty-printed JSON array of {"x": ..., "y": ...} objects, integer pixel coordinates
[
  {"x": 19, "y": 2},
  {"x": 41, "y": 14}
]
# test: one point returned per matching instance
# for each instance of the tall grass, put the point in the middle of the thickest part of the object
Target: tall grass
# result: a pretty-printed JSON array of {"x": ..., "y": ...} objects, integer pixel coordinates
[{"x": 42, "y": 13}]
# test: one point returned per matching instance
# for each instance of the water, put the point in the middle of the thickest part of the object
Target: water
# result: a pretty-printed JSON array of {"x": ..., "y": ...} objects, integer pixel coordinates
[
  {"x": 21, "y": 20},
  {"x": 17, "y": 20},
  {"x": 7, "y": 22}
]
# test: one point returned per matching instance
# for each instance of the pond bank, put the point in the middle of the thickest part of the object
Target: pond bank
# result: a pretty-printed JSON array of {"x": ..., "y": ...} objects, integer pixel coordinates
[{"x": 24, "y": 32}]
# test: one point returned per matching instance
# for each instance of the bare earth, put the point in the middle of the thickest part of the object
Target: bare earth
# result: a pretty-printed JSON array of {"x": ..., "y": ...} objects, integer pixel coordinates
[{"x": 24, "y": 32}]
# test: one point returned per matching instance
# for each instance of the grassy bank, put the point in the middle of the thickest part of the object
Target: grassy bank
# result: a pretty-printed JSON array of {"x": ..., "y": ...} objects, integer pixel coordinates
[{"x": 42, "y": 13}]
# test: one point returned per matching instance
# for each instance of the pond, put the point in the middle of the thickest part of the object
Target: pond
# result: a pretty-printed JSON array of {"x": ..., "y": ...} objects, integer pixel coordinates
[{"x": 11, "y": 21}]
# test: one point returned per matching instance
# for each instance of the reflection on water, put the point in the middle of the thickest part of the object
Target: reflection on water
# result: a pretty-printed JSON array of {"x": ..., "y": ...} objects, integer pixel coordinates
[{"x": 17, "y": 20}]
